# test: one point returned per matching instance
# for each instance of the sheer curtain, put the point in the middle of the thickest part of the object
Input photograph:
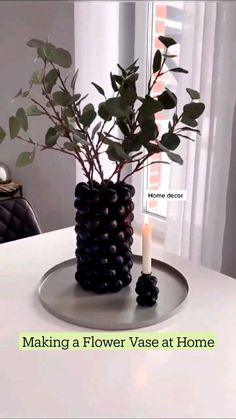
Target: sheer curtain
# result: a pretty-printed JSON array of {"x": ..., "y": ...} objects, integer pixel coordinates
[
  {"x": 195, "y": 229},
  {"x": 104, "y": 36}
]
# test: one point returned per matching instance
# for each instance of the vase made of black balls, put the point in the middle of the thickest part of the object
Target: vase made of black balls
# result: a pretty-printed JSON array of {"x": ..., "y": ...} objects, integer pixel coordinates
[{"x": 104, "y": 215}]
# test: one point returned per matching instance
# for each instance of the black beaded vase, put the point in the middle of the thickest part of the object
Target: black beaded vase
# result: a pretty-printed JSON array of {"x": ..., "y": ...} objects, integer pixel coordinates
[{"x": 104, "y": 214}]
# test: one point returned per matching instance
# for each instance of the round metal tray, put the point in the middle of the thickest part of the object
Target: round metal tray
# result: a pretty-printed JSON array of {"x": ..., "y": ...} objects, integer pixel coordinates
[{"x": 62, "y": 296}]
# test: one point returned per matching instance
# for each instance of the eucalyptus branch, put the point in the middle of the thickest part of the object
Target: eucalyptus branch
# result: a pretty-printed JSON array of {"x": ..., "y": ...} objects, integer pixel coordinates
[
  {"x": 143, "y": 167},
  {"x": 44, "y": 147}
]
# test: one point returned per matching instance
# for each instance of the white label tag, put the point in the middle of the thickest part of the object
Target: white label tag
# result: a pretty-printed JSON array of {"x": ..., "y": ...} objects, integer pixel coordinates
[{"x": 168, "y": 194}]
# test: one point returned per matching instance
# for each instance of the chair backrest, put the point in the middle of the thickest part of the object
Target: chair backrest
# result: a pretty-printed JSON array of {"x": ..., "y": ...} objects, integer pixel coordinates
[{"x": 17, "y": 220}]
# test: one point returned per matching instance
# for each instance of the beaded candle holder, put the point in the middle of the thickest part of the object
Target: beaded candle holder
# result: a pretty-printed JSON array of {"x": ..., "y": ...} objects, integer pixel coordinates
[
  {"x": 104, "y": 235},
  {"x": 147, "y": 290}
]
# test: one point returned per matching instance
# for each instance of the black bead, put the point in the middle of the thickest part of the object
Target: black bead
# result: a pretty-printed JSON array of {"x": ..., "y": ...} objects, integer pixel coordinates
[
  {"x": 110, "y": 196},
  {"x": 132, "y": 189},
  {"x": 130, "y": 240},
  {"x": 111, "y": 274},
  {"x": 101, "y": 211},
  {"x": 126, "y": 279},
  {"x": 120, "y": 236},
  {"x": 119, "y": 260},
  {"x": 116, "y": 286},
  {"x": 129, "y": 207},
  {"x": 124, "y": 193},
  {"x": 101, "y": 287},
  {"x": 129, "y": 263},
  {"x": 92, "y": 249},
  {"x": 93, "y": 196},
  {"x": 81, "y": 189},
  {"x": 86, "y": 284},
  {"x": 124, "y": 246},
  {"x": 111, "y": 224},
  {"x": 128, "y": 256},
  {"x": 103, "y": 261},
  {"x": 92, "y": 224},
  {"x": 125, "y": 269},
  {"x": 121, "y": 210},
  {"x": 101, "y": 237},
  {"x": 129, "y": 231},
  {"x": 112, "y": 249}
]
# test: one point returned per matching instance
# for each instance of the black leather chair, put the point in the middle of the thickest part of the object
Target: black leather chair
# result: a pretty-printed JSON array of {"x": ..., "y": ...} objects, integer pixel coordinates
[{"x": 17, "y": 220}]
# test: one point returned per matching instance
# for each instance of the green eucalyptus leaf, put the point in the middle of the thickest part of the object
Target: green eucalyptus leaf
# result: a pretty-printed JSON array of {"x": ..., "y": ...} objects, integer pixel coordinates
[
  {"x": 169, "y": 56},
  {"x": 190, "y": 129},
  {"x": 115, "y": 106},
  {"x": 194, "y": 110},
  {"x": 123, "y": 127},
  {"x": 128, "y": 92},
  {"x": 49, "y": 50},
  {"x": 168, "y": 99},
  {"x": 22, "y": 118},
  {"x": 172, "y": 156},
  {"x": 132, "y": 66},
  {"x": 150, "y": 106},
  {"x": 168, "y": 42},
  {"x": 51, "y": 79},
  {"x": 194, "y": 94},
  {"x": 118, "y": 79},
  {"x": 157, "y": 61},
  {"x": 81, "y": 100},
  {"x": 14, "y": 126},
  {"x": 33, "y": 110},
  {"x": 70, "y": 146},
  {"x": 99, "y": 89},
  {"x": 103, "y": 113},
  {"x": 152, "y": 148},
  {"x": 25, "y": 158},
  {"x": 113, "y": 83},
  {"x": 116, "y": 152},
  {"x": 2, "y": 134},
  {"x": 175, "y": 157},
  {"x": 75, "y": 98},
  {"x": 185, "y": 136},
  {"x": 51, "y": 137},
  {"x": 37, "y": 77},
  {"x": 149, "y": 131},
  {"x": 170, "y": 140},
  {"x": 179, "y": 70},
  {"x": 61, "y": 98},
  {"x": 35, "y": 43},
  {"x": 74, "y": 78},
  {"x": 26, "y": 93},
  {"x": 95, "y": 129},
  {"x": 19, "y": 93},
  {"x": 61, "y": 57},
  {"x": 189, "y": 121},
  {"x": 79, "y": 137},
  {"x": 132, "y": 144},
  {"x": 67, "y": 112},
  {"x": 123, "y": 71},
  {"x": 41, "y": 53},
  {"x": 88, "y": 115}
]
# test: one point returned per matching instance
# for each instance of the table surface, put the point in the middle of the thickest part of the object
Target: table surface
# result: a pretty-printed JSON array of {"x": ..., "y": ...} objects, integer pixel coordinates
[{"x": 125, "y": 384}]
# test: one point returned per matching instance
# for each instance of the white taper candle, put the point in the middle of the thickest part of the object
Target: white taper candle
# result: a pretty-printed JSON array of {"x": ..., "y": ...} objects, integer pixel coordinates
[{"x": 147, "y": 246}]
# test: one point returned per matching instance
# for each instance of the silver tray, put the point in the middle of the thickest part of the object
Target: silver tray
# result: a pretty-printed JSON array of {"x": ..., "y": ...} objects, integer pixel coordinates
[{"x": 62, "y": 296}]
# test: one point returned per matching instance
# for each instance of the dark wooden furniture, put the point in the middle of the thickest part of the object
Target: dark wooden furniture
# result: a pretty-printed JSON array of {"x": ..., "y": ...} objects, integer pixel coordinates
[{"x": 8, "y": 190}]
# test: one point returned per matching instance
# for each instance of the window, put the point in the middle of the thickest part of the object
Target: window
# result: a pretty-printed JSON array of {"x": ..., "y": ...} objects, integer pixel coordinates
[{"x": 162, "y": 18}]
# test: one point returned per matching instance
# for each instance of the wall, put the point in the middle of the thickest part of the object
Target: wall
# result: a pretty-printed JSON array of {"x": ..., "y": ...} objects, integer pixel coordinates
[{"x": 49, "y": 182}]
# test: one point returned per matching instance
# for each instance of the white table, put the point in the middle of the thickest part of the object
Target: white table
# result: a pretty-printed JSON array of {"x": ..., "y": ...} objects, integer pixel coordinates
[{"x": 145, "y": 384}]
